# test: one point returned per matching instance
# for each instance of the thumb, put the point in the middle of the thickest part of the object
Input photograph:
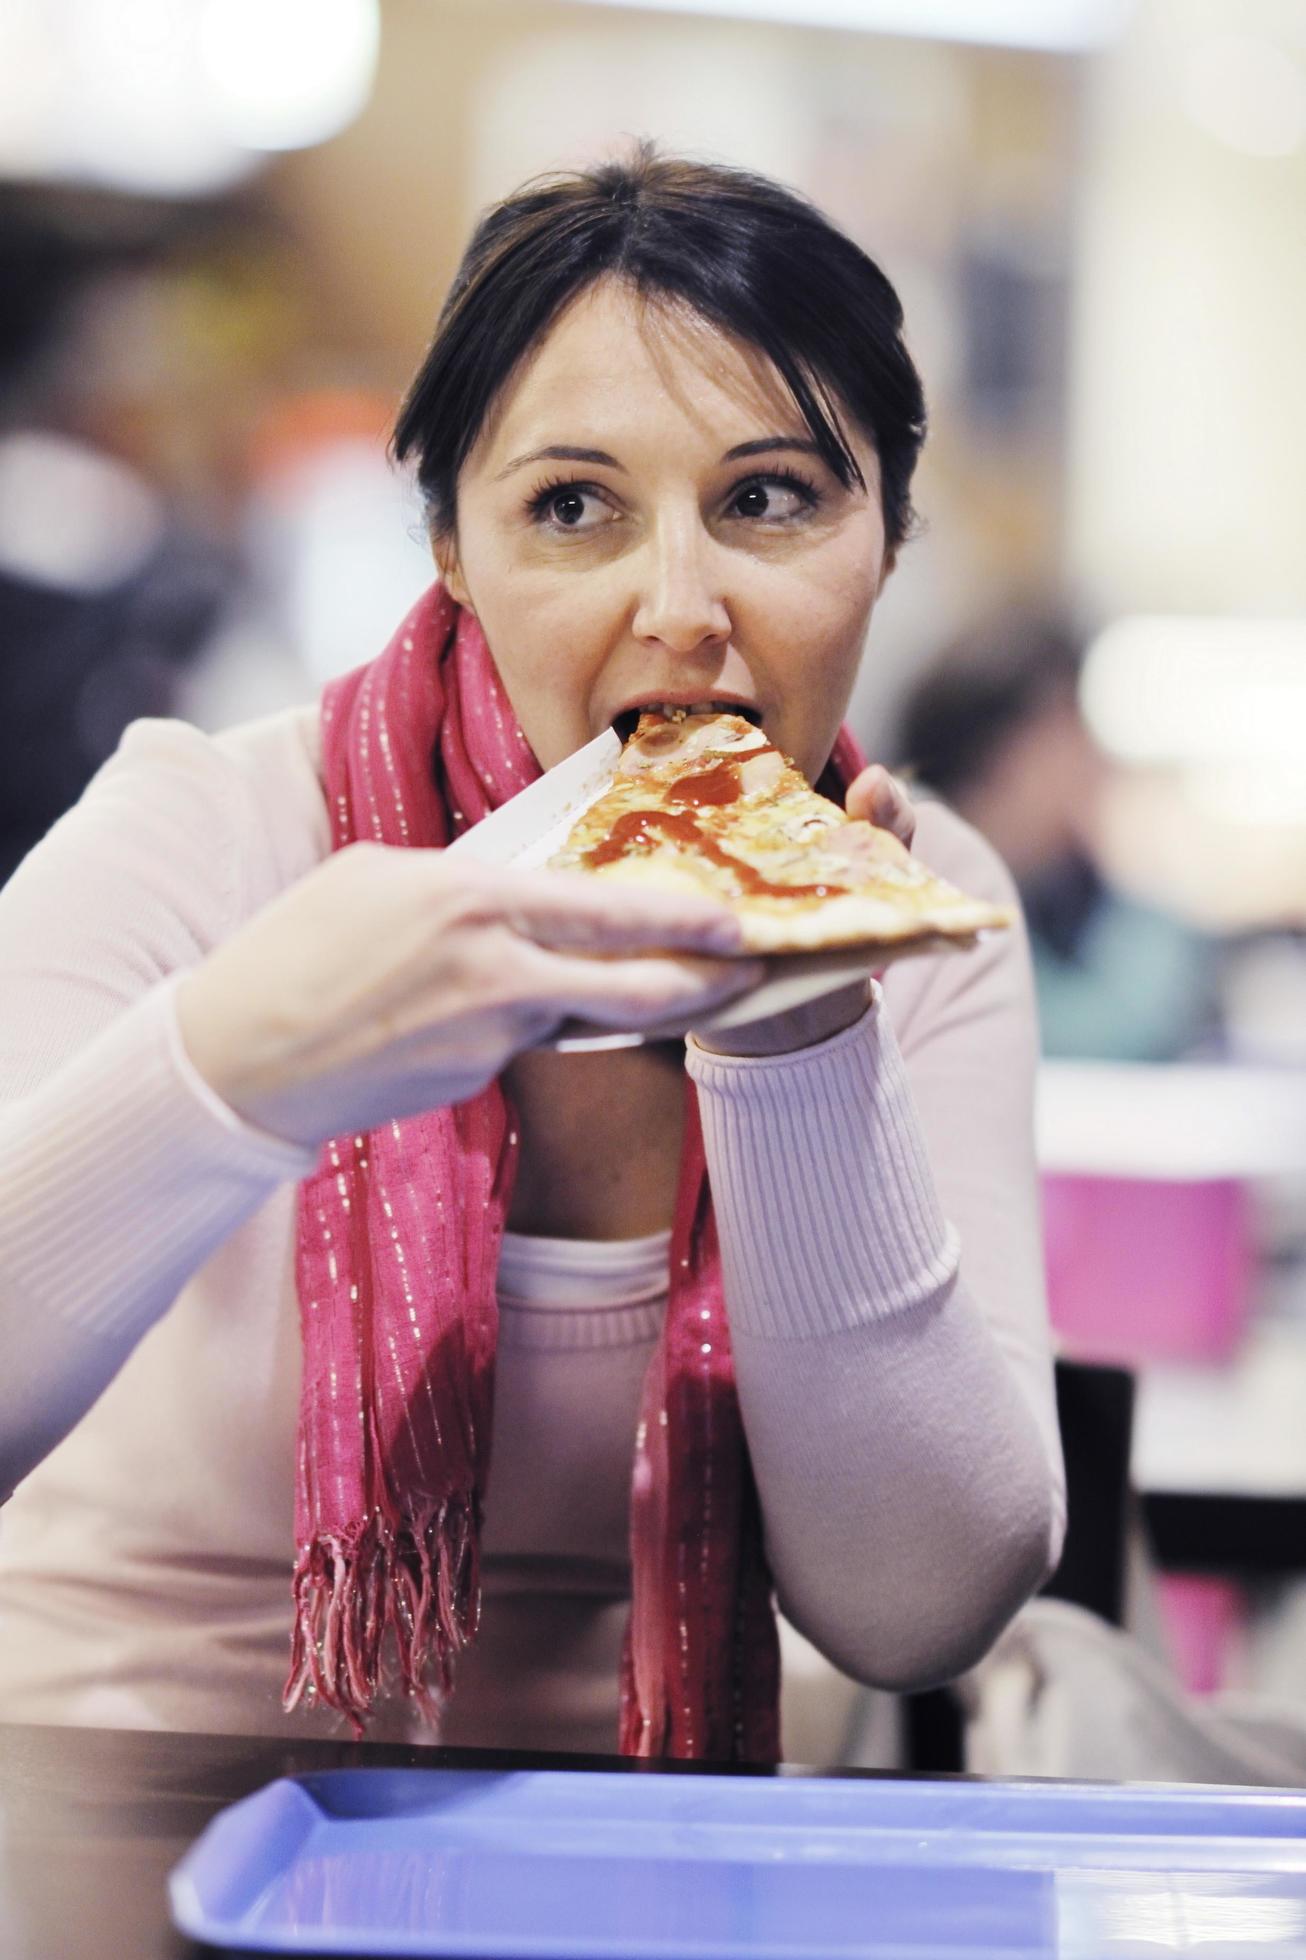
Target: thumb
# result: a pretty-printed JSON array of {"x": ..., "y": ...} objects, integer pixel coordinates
[{"x": 880, "y": 799}]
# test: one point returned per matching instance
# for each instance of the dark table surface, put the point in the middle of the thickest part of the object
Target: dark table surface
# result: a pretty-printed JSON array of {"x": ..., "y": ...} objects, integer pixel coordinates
[{"x": 93, "y": 1820}]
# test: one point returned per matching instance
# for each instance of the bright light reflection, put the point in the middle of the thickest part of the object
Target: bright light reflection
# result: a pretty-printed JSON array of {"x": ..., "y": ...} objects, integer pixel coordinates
[
  {"x": 1174, "y": 1914},
  {"x": 285, "y": 73},
  {"x": 1172, "y": 690},
  {"x": 1271, "y": 795},
  {"x": 71, "y": 518}
]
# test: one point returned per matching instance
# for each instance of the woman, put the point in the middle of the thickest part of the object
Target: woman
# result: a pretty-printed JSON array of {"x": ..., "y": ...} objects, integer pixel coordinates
[{"x": 268, "y": 1057}]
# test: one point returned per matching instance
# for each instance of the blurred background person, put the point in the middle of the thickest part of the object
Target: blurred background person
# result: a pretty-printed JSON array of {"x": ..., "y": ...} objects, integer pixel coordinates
[
  {"x": 996, "y": 729},
  {"x": 113, "y": 574}
]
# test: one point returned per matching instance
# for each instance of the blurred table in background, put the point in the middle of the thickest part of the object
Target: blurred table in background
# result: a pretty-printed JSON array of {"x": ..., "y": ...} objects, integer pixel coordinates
[{"x": 1176, "y": 1120}]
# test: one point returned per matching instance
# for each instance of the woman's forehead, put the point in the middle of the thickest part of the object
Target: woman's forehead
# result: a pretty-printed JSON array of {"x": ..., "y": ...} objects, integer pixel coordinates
[{"x": 614, "y": 356}]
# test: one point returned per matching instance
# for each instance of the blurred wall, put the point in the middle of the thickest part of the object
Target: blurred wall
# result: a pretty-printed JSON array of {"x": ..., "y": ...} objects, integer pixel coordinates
[{"x": 1187, "y": 484}]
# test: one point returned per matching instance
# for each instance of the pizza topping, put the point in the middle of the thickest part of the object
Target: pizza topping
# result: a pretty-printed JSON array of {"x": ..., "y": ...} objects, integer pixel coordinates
[
  {"x": 637, "y": 830},
  {"x": 719, "y": 785},
  {"x": 747, "y": 737},
  {"x": 727, "y": 781},
  {"x": 661, "y": 741},
  {"x": 675, "y": 750},
  {"x": 762, "y": 771}
]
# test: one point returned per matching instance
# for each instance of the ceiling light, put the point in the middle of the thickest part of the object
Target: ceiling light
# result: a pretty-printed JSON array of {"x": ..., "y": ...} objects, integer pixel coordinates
[
  {"x": 286, "y": 73},
  {"x": 133, "y": 106},
  {"x": 1063, "y": 25},
  {"x": 176, "y": 98}
]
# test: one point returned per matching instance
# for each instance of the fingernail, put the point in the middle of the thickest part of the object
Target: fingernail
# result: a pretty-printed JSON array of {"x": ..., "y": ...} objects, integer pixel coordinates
[{"x": 727, "y": 937}]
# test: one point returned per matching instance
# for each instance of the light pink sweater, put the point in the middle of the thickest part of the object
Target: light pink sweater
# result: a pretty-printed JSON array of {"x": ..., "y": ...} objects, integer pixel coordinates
[{"x": 877, "y": 1208}]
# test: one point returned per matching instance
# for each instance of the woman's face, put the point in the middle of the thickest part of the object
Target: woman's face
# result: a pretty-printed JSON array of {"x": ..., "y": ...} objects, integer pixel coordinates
[{"x": 644, "y": 518}]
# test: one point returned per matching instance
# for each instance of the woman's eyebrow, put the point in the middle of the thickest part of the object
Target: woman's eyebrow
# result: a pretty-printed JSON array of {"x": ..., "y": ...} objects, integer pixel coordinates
[
  {"x": 570, "y": 452},
  {"x": 560, "y": 452},
  {"x": 764, "y": 445}
]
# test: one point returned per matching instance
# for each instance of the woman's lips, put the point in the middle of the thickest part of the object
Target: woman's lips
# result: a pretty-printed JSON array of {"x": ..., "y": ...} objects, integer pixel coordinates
[{"x": 626, "y": 720}]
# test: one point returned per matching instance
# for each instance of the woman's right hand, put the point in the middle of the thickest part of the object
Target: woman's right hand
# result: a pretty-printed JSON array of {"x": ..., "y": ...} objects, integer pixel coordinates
[{"x": 389, "y": 981}]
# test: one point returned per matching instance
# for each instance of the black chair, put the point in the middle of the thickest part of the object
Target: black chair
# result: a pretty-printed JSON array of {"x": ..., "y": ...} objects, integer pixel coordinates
[{"x": 1095, "y": 1408}]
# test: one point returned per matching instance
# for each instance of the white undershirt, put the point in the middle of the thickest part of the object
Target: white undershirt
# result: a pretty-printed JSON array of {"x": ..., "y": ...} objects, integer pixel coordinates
[{"x": 567, "y": 1274}]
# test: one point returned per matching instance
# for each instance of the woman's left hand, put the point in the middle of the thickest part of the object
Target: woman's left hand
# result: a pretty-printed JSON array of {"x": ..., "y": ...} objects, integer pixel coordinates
[{"x": 880, "y": 799}]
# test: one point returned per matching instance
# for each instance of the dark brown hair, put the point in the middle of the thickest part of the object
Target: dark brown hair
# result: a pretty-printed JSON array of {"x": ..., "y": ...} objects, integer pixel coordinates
[{"x": 745, "y": 254}]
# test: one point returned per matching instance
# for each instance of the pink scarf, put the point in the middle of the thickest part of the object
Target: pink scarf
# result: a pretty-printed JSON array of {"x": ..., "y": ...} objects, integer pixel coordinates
[{"x": 397, "y": 1256}]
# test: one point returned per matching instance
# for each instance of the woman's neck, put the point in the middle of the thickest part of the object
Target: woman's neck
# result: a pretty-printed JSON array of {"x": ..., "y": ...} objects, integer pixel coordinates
[{"x": 600, "y": 1142}]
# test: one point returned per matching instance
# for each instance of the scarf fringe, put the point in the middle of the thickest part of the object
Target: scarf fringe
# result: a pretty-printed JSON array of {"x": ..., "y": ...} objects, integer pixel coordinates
[
  {"x": 419, "y": 1580},
  {"x": 640, "y": 1733}
]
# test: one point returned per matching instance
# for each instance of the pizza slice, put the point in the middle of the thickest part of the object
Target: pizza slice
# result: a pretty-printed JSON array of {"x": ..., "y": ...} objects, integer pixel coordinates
[{"x": 704, "y": 799}]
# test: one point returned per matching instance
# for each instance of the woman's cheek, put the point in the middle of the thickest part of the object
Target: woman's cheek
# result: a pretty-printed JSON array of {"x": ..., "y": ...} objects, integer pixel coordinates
[
  {"x": 815, "y": 655},
  {"x": 816, "y": 634}
]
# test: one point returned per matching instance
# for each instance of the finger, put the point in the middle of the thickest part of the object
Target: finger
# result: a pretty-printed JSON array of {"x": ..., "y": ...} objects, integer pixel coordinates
[
  {"x": 605, "y": 915},
  {"x": 642, "y": 993},
  {"x": 880, "y": 799}
]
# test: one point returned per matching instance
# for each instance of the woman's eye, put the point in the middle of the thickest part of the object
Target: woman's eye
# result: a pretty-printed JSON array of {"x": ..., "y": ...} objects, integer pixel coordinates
[
  {"x": 774, "y": 498},
  {"x": 570, "y": 507}
]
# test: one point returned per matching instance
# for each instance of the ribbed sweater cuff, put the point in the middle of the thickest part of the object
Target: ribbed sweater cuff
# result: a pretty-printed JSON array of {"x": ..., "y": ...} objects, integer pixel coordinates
[
  {"x": 824, "y": 1196},
  {"x": 128, "y": 1173}
]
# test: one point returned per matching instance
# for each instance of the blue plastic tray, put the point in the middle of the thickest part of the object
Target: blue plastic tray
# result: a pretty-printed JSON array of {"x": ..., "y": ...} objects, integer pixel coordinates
[{"x": 518, "y": 1865}]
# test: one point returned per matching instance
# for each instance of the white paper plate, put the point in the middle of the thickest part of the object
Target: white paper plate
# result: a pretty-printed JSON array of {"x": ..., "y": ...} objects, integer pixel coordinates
[{"x": 792, "y": 980}]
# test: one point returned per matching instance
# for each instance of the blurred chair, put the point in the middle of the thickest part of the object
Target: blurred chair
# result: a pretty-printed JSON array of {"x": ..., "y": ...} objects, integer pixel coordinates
[
  {"x": 1148, "y": 1268},
  {"x": 1081, "y": 1683}
]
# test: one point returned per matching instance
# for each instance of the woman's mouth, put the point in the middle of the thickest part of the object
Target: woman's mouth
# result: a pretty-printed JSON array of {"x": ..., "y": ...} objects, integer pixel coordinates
[{"x": 626, "y": 720}]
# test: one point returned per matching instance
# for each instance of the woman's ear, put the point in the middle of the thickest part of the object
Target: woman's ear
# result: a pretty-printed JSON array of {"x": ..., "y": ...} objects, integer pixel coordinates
[
  {"x": 444, "y": 550},
  {"x": 890, "y": 560}
]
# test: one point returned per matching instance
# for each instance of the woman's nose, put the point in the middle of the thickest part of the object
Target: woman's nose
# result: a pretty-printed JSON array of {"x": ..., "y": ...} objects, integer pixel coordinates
[{"x": 680, "y": 603}]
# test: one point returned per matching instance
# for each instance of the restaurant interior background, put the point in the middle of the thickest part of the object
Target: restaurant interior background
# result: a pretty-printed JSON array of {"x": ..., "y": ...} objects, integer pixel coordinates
[{"x": 225, "y": 228}]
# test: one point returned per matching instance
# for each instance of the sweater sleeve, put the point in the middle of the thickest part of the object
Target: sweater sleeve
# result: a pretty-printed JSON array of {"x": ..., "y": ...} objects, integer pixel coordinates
[
  {"x": 876, "y": 1198},
  {"x": 120, "y": 1171}
]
